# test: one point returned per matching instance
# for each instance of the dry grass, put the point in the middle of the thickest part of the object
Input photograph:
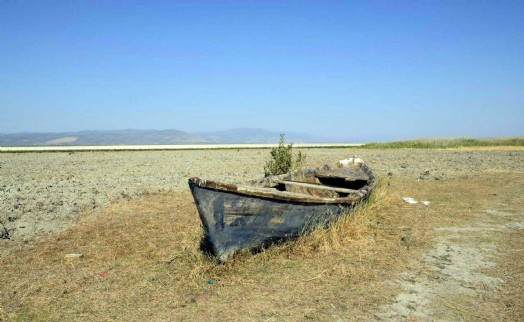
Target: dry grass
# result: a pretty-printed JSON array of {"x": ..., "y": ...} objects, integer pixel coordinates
[
  {"x": 149, "y": 249},
  {"x": 505, "y": 301},
  {"x": 439, "y": 143},
  {"x": 512, "y": 269}
]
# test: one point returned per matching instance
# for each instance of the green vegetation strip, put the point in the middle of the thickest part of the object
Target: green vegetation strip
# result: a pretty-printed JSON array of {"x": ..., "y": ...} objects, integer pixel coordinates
[{"x": 446, "y": 143}]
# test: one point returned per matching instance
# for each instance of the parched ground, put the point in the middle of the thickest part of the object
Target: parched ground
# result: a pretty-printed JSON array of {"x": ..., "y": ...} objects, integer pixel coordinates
[{"x": 131, "y": 216}]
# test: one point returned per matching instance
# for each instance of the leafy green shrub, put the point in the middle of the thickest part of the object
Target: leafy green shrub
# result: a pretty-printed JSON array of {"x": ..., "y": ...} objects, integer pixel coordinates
[{"x": 282, "y": 160}]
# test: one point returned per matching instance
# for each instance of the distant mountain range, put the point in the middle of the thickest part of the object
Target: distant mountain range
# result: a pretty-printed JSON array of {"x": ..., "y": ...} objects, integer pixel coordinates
[{"x": 135, "y": 137}]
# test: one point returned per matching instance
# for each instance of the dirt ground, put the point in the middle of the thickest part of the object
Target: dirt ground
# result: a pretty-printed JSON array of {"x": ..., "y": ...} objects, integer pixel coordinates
[
  {"x": 46, "y": 192},
  {"x": 461, "y": 255}
]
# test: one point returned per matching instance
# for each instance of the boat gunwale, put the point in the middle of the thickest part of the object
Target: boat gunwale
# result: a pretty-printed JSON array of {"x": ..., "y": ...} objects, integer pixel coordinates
[
  {"x": 210, "y": 197},
  {"x": 273, "y": 194}
]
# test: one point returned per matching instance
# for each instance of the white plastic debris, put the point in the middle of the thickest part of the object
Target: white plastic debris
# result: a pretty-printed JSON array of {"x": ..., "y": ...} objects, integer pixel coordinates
[
  {"x": 73, "y": 256},
  {"x": 410, "y": 200}
]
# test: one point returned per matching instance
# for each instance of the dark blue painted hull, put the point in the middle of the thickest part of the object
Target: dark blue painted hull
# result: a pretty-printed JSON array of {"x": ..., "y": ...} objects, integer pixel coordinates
[{"x": 233, "y": 222}]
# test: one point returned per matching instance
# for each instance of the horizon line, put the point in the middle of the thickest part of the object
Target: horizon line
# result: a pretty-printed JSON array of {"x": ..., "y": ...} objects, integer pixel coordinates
[{"x": 165, "y": 147}]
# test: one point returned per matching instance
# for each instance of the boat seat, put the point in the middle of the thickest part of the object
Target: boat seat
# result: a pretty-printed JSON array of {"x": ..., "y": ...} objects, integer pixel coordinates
[
  {"x": 316, "y": 186},
  {"x": 346, "y": 174},
  {"x": 297, "y": 195}
]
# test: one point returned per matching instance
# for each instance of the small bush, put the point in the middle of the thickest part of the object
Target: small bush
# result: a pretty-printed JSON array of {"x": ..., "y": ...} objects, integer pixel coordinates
[{"x": 282, "y": 160}]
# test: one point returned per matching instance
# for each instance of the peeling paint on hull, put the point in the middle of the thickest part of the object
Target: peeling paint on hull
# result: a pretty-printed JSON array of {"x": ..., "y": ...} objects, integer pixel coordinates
[{"x": 236, "y": 218}]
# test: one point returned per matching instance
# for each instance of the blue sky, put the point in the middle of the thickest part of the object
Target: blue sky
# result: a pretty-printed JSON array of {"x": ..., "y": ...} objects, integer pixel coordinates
[{"x": 339, "y": 69}]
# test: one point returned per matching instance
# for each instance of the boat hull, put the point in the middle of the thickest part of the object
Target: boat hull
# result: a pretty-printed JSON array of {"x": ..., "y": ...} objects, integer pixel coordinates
[{"x": 233, "y": 221}]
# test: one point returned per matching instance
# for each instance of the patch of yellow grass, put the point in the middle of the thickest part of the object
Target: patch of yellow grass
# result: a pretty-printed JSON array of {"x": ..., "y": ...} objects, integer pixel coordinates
[{"x": 149, "y": 248}]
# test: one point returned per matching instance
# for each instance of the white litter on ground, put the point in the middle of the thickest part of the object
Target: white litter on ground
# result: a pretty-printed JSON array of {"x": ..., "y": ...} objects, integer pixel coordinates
[{"x": 410, "y": 200}]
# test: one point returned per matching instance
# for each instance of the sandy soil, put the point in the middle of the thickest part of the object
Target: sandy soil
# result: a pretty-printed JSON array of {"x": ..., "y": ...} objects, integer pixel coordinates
[
  {"x": 462, "y": 264},
  {"x": 45, "y": 192}
]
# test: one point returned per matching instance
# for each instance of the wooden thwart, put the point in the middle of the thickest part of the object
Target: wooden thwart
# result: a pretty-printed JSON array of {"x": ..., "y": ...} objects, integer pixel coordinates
[
  {"x": 272, "y": 209},
  {"x": 348, "y": 174},
  {"x": 285, "y": 195},
  {"x": 316, "y": 186}
]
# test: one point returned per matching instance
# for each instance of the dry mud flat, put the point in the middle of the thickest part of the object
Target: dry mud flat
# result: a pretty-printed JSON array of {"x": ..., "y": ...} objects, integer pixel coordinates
[
  {"x": 42, "y": 193},
  {"x": 46, "y": 192}
]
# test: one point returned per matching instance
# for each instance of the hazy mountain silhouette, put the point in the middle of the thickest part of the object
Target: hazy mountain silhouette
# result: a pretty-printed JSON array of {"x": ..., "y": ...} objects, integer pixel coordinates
[{"x": 134, "y": 137}]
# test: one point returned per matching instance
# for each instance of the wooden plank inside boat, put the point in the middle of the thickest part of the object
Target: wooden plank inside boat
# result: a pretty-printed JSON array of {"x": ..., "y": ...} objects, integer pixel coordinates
[
  {"x": 349, "y": 174},
  {"x": 315, "y": 189},
  {"x": 272, "y": 209}
]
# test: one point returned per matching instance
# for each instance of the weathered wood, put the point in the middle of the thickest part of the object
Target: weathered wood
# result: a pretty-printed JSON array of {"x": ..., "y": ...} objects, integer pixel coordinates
[
  {"x": 257, "y": 213},
  {"x": 290, "y": 186},
  {"x": 232, "y": 222},
  {"x": 317, "y": 187},
  {"x": 248, "y": 190},
  {"x": 302, "y": 175},
  {"x": 349, "y": 174},
  {"x": 282, "y": 195},
  {"x": 288, "y": 195}
]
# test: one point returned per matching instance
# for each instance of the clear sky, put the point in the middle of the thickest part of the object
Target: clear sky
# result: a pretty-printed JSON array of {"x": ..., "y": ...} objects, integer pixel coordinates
[{"x": 346, "y": 69}]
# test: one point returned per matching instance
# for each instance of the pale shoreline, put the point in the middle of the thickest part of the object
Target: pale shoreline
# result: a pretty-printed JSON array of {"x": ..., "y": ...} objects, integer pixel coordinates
[{"x": 79, "y": 148}]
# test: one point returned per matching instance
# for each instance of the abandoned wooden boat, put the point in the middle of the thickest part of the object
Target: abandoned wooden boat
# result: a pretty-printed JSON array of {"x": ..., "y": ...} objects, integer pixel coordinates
[{"x": 260, "y": 212}]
